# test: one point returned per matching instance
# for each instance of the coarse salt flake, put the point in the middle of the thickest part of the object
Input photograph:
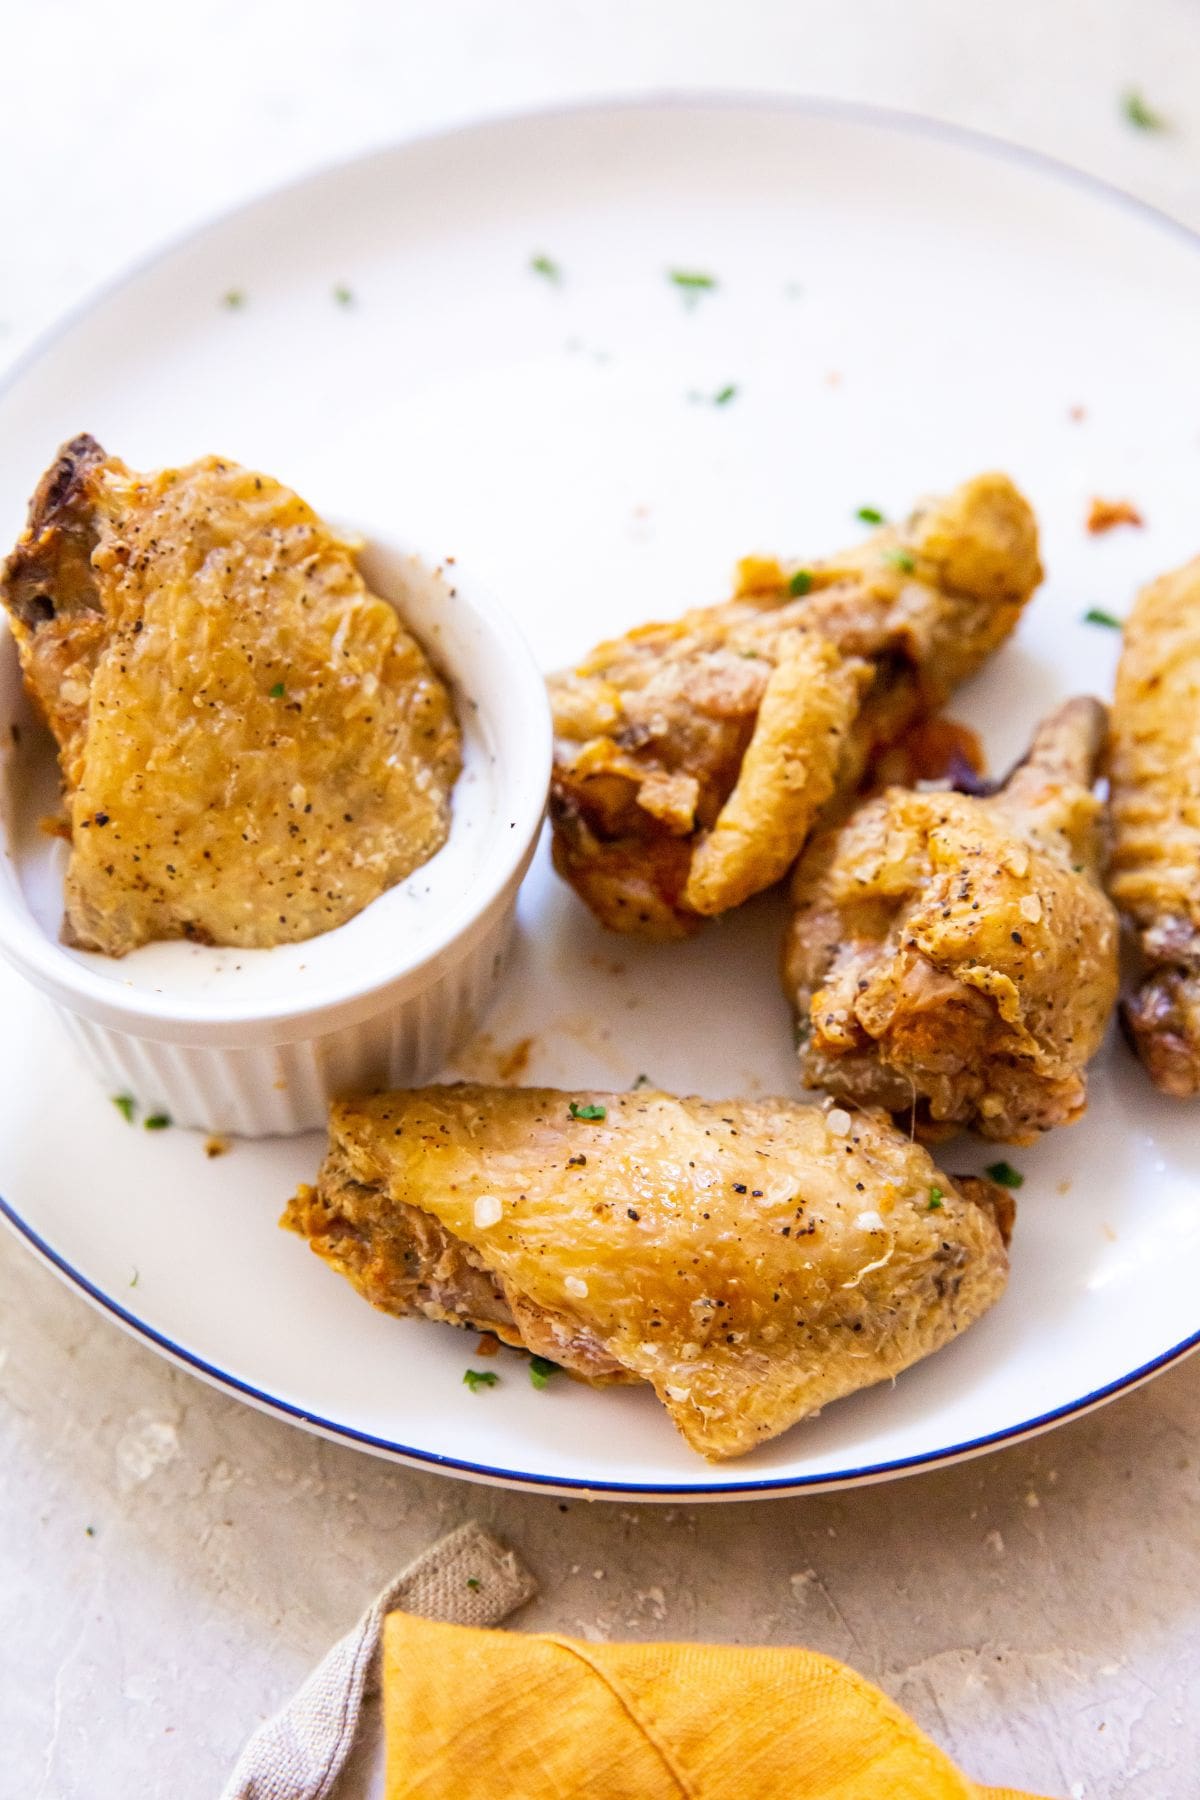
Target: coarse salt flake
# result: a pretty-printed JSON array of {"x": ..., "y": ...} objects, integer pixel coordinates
[
  {"x": 488, "y": 1211},
  {"x": 839, "y": 1122},
  {"x": 575, "y": 1285},
  {"x": 870, "y": 1221},
  {"x": 679, "y": 1393},
  {"x": 1031, "y": 908}
]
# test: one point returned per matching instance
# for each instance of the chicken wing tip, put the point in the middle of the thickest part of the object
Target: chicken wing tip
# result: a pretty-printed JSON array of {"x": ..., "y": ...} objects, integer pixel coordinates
[
  {"x": 996, "y": 1201},
  {"x": 58, "y": 512}
]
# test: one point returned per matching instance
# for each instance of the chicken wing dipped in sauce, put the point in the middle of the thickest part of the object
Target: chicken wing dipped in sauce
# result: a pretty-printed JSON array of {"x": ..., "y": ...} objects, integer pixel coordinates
[
  {"x": 953, "y": 959},
  {"x": 252, "y": 746},
  {"x": 1154, "y": 874},
  {"x": 750, "y": 1260},
  {"x": 693, "y": 758}
]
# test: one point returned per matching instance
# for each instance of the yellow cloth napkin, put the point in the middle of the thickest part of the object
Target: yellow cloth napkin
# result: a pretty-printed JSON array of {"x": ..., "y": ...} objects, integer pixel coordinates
[{"x": 495, "y": 1715}]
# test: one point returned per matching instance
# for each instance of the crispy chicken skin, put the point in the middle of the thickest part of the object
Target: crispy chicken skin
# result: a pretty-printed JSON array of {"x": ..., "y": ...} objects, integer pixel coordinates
[
  {"x": 1154, "y": 874},
  {"x": 751, "y": 1260},
  {"x": 252, "y": 747},
  {"x": 953, "y": 959},
  {"x": 693, "y": 758}
]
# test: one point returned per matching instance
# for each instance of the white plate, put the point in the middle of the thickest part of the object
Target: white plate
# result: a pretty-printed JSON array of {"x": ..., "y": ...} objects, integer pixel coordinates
[{"x": 898, "y": 306}]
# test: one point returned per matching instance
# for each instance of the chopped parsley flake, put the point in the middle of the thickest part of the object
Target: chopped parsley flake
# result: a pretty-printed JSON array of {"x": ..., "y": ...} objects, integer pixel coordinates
[
  {"x": 724, "y": 395},
  {"x": 278, "y": 691},
  {"x": 158, "y": 1122},
  {"x": 1139, "y": 114},
  {"x": 800, "y": 582},
  {"x": 1096, "y": 615},
  {"x": 133, "y": 1279},
  {"x": 343, "y": 295},
  {"x": 474, "y": 1583},
  {"x": 643, "y": 1081},
  {"x": 900, "y": 559},
  {"x": 691, "y": 284},
  {"x": 546, "y": 267},
  {"x": 477, "y": 1378},
  {"x": 1005, "y": 1174},
  {"x": 870, "y": 515},
  {"x": 125, "y": 1104},
  {"x": 89, "y": 1531},
  {"x": 575, "y": 1111},
  {"x": 540, "y": 1371},
  {"x": 935, "y": 1198},
  {"x": 233, "y": 299}
]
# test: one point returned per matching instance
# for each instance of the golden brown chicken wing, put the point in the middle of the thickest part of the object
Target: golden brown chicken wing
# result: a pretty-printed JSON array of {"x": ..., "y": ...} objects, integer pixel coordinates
[
  {"x": 751, "y": 1260},
  {"x": 252, "y": 746},
  {"x": 953, "y": 959},
  {"x": 693, "y": 758},
  {"x": 1155, "y": 803}
]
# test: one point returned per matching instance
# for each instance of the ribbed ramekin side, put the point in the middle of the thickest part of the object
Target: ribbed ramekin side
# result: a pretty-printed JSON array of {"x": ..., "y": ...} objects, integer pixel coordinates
[{"x": 278, "y": 1090}]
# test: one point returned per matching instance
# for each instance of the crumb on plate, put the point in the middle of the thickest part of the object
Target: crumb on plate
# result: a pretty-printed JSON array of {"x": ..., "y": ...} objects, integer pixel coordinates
[{"x": 1103, "y": 515}]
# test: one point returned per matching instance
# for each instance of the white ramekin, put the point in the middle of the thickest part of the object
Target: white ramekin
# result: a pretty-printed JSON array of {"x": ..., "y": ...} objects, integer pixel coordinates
[{"x": 374, "y": 1006}]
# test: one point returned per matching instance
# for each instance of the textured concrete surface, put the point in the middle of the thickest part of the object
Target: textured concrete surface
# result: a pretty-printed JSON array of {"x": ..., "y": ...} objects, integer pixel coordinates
[
  {"x": 171, "y": 1563},
  {"x": 174, "y": 1563}
]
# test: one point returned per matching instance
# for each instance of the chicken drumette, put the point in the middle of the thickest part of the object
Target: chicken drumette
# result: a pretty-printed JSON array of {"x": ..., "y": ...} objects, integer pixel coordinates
[
  {"x": 693, "y": 758},
  {"x": 952, "y": 958},
  {"x": 1155, "y": 781}
]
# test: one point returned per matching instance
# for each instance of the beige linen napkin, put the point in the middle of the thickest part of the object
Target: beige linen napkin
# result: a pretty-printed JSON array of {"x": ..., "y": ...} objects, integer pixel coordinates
[{"x": 467, "y": 1578}]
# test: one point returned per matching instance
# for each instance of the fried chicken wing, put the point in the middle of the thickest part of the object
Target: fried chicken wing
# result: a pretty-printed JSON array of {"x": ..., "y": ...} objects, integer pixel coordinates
[
  {"x": 953, "y": 959},
  {"x": 1154, "y": 872},
  {"x": 693, "y": 758},
  {"x": 751, "y": 1260},
  {"x": 252, "y": 746}
]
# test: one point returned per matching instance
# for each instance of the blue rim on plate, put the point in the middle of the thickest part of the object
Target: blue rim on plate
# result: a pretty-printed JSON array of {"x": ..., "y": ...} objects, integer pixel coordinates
[
  {"x": 894, "y": 119},
  {"x": 554, "y": 1484}
]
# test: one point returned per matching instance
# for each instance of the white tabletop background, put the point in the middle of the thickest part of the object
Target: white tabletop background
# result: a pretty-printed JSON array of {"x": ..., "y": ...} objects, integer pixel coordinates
[{"x": 171, "y": 1563}]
